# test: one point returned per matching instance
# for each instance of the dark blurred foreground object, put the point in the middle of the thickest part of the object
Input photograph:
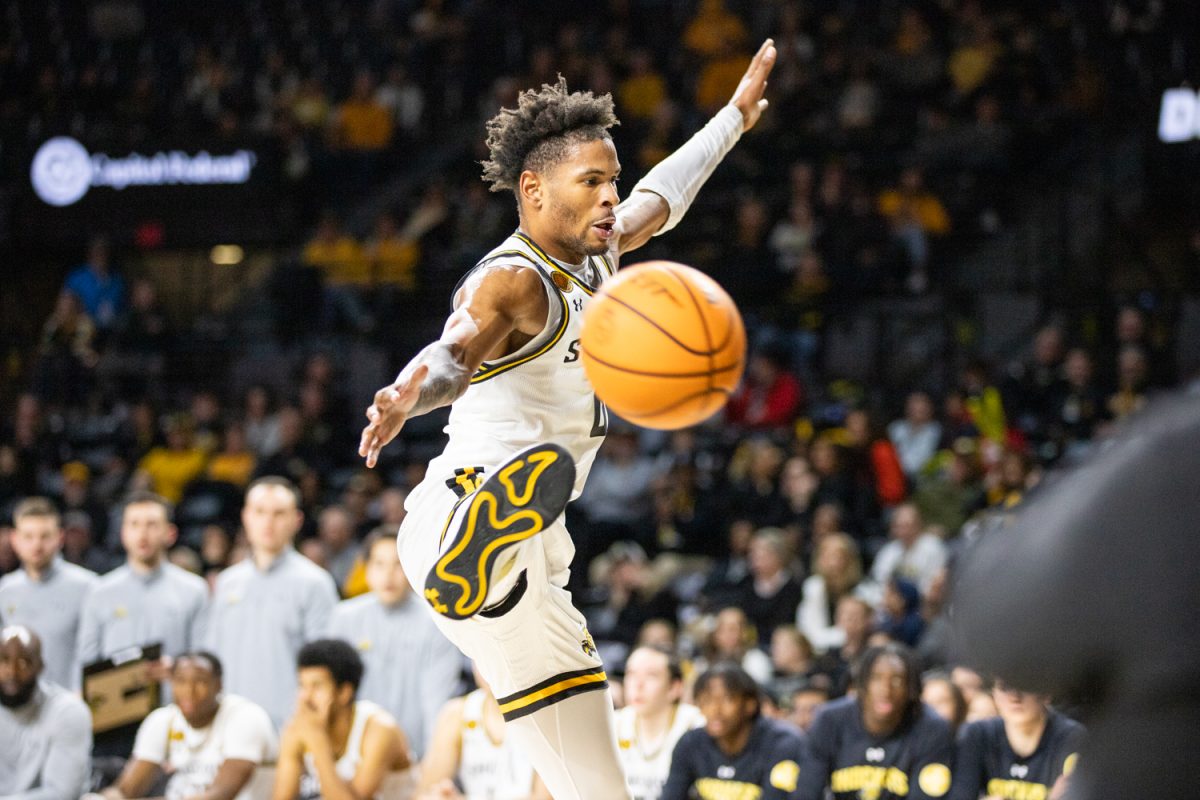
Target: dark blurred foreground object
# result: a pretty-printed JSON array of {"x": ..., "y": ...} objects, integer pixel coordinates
[{"x": 1094, "y": 591}]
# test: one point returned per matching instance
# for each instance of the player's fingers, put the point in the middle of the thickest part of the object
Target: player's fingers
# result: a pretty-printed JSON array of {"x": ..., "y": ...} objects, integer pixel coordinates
[
  {"x": 762, "y": 105},
  {"x": 758, "y": 57}
]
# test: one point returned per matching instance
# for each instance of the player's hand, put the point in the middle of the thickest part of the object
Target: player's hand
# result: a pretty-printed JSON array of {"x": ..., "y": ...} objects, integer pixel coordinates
[
  {"x": 749, "y": 95},
  {"x": 389, "y": 412}
]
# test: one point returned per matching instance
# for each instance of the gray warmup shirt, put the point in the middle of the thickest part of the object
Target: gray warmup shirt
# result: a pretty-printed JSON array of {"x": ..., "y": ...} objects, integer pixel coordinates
[
  {"x": 51, "y": 609},
  {"x": 411, "y": 668},
  {"x": 46, "y": 746},
  {"x": 127, "y": 608},
  {"x": 258, "y": 621}
]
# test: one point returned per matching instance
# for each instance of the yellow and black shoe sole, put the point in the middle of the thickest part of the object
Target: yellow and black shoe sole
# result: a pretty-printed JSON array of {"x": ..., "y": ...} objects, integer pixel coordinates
[{"x": 518, "y": 501}]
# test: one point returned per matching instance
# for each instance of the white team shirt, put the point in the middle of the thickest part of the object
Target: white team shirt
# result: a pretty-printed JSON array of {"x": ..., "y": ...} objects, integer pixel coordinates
[
  {"x": 539, "y": 393},
  {"x": 487, "y": 770},
  {"x": 241, "y": 730},
  {"x": 347, "y": 766},
  {"x": 646, "y": 770}
]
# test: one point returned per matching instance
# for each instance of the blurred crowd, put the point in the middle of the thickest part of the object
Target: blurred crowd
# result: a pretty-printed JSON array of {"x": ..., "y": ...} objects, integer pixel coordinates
[{"x": 812, "y": 520}]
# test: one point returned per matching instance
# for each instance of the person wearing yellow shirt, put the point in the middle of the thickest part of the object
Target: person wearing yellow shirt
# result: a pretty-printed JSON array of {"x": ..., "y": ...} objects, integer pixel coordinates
[
  {"x": 235, "y": 461},
  {"x": 361, "y": 123},
  {"x": 712, "y": 29},
  {"x": 168, "y": 470},
  {"x": 393, "y": 255},
  {"x": 642, "y": 93},
  {"x": 345, "y": 269}
]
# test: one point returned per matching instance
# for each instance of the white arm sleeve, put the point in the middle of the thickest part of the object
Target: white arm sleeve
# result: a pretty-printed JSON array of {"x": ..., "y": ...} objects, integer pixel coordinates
[{"x": 679, "y": 176}]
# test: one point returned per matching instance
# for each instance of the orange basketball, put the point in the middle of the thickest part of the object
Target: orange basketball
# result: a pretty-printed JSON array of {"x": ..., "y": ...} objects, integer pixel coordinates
[{"x": 663, "y": 345}]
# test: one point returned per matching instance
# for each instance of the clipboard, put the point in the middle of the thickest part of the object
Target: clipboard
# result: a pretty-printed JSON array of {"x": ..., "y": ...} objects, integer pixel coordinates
[{"x": 117, "y": 689}]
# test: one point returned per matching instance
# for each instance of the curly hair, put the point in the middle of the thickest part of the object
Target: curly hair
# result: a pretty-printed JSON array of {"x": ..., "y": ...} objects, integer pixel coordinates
[{"x": 538, "y": 132}]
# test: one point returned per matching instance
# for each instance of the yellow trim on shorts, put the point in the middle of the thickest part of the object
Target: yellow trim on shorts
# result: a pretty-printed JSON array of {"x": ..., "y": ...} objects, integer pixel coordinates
[{"x": 551, "y": 691}]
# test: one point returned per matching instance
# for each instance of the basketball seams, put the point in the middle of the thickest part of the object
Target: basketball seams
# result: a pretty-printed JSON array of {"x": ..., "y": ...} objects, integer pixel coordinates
[
  {"x": 658, "y": 412},
  {"x": 656, "y": 326},
  {"x": 631, "y": 371},
  {"x": 699, "y": 313}
]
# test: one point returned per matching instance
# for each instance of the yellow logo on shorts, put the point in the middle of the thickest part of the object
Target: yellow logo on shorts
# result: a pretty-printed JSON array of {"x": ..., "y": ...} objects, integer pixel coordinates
[
  {"x": 934, "y": 780},
  {"x": 784, "y": 775},
  {"x": 588, "y": 644},
  {"x": 364, "y": 645}
]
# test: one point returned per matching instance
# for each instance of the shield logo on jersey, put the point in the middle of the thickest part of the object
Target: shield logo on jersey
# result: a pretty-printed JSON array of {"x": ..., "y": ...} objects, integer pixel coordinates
[
  {"x": 561, "y": 281},
  {"x": 1019, "y": 770},
  {"x": 875, "y": 754}
]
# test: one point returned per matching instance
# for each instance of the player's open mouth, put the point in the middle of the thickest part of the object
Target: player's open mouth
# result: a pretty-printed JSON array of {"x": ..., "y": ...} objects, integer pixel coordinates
[{"x": 604, "y": 228}]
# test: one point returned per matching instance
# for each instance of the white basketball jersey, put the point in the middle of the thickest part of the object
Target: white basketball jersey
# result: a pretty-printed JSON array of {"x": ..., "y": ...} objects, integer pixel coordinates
[
  {"x": 346, "y": 766},
  {"x": 490, "y": 771},
  {"x": 539, "y": 393},
  {"x": 646, "y": 770}
]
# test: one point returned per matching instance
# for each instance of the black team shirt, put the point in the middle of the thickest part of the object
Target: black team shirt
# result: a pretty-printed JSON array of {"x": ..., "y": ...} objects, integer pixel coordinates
[
  {"x": 987, "y": 765},
  {"x": 913, "y": 762},
  {"x": 766, "y": 769}
]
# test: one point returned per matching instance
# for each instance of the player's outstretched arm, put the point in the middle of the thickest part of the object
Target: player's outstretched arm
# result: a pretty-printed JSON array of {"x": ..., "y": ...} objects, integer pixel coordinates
[
  {"x": 661, "y": 198},
  {"x": 494, "y": 303}
]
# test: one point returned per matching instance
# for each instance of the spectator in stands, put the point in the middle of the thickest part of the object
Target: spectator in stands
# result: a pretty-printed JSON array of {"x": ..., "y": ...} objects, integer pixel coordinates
[
  {"x": 975, "y": 691},
  {"x": 335, "y": 745},
  {"x": 234, "y": 462},
  {"x": 335, "y": 529},
  {"x": 652, "y": 720},
  {"x": 900, "y": 612},
  {"x": 872, "y": 460},
  {"x": 794, "y": 236},
  {"x": 100, "y": 291},
  {"x": 46, "y": 729},
  {"x": 855, "y": 618},
  {"x": 773, "y": 593},
  {"x": 207, "y": 743},
  {"x": 917, "y": 435},
  {"x": 394, "y": 255},
  {"x": 915, "y": 214},
  {"x": 713, "y": 28},
  {"x": 1031, "y": 385},
  {"x": 46, "y": 594},
  {"x": 67, "y": 353},
  {"x": 1133, "y": 372},
  {"x": 80, "y": 547},
  {"x": 148, "y": 600},
  {"x": 792, "y": 660},
  {"x": 732, "y": 640},
  {"x": 261, "y": 421},
  {"x": 470, "y": 752},
  {"x": 804, "y": 700},
  {"x": 411, "y": 668},
  {"x": 76, "y": 497},
  {"x": 643, "y": 90},
  {"x": 617, "y": 494},
  {"x": 836, "y": 573},
  {"x": 948, "y": 497},
  {"x": 754, "y": 482},
  {"x": 769, "y": 396},
  {"x": 738, "y": 752},
  {"x": 403, "y": 98},
  {"x": 797, "y": 489},
  {"x": 345, "y": 269},
  {"x": 167, "y": 469},
  {"x": 1029, "y": 750},
  {"x": 290, "y": 598},
  {"x": 726, "y": 581},
  {"x": 624, "y": 596},
  {"x": 947, "y": 701},
  {"x": 1078, "y": 407},
  {"x": 884, "y": 741},
  {"x": 911, "y": 553},
  {"x": 139, "y": 342},
  {"x": 361, "y": 124}
]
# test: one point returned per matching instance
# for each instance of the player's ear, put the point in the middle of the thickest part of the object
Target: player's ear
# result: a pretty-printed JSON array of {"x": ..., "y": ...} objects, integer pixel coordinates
[{"x": 529, "y": 189}]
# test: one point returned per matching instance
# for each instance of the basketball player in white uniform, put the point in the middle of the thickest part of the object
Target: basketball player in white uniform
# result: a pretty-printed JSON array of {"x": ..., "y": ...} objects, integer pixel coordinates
[
  {"x": 652, "y": 721},
  {"x": 469, "y": 744},
  {"x": 525, "y": 425},
  {"x": 336, "y": 746}
]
